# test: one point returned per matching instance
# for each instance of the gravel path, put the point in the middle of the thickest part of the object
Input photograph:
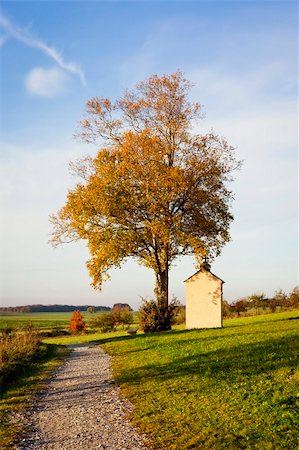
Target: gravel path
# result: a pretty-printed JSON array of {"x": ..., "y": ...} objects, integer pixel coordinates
[{"x": 82, "y": 408}]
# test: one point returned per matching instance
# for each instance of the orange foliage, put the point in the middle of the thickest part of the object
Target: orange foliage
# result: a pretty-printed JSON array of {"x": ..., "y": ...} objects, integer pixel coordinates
[
  {"x": 77, "y": 323},
  {"x": 155, "y": 191}
]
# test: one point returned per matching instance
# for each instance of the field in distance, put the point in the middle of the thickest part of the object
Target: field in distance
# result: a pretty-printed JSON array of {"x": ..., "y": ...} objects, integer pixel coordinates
[
  {"x": 44, "y": 321},
  {"x": 40, "y": 320}
]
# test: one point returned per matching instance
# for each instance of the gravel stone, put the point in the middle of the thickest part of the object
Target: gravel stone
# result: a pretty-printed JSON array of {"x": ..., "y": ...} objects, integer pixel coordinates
[{"x": 81, "y": 408}]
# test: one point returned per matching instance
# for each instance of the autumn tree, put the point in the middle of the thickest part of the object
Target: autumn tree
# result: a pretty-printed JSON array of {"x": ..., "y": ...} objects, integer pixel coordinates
[
  {"x": 123, "y": 314},
  {"x": 77, "y": 323},
  {"x": 156, "y": 190},
  {"x": 240, "y": 305},
  {"x": 293, "y": 300},
  {"x": 280, "y": 298},
  {"x": 226, "y": 308}
]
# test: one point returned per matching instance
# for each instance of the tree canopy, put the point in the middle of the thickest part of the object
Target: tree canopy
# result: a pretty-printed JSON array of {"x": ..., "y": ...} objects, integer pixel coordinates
[{"x": 156, "y": 190}]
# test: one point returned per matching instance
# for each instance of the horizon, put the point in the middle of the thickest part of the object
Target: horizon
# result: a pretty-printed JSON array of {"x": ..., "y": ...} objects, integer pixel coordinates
[
  {"x": 242, "y": 57},
  {"x": 103, "y": 305}
]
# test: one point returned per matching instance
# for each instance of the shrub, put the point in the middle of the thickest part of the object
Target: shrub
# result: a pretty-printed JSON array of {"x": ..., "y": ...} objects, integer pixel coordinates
[
  {"x": 5, "y": 331},
  {"x": 18, "y": 348},
  {"x": 293, "y": 300},
  {"x": 54, "y": 332},
  {"x": 280, "y": 299},
  {"x": 126, "y": 317},
  {"x": 152, "y": 317},
  {"x": 105, "y": 322},
  {"x": 59, "y": 331},
  {"x": 122, "y": 314},
  {"x": 180, "y": 315},
  {"x": 240, "y": 306},
  {"x": 257, "y": 301},
  {"x": 226, "y": 308},
  {"x": 272, "y": 305},
  {"x": 77, "y": 323},
  {"x": 108, "y": 321}
]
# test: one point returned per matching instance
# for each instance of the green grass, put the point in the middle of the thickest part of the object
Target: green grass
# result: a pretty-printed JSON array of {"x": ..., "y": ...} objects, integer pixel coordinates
[
  {"x": 39, "y": 320},
  {"x": 233, "y": 388},
  {"x": 44, "y": 320},
  {"x": 16, "y": 395},
  {"x": 84, "y": 338}
]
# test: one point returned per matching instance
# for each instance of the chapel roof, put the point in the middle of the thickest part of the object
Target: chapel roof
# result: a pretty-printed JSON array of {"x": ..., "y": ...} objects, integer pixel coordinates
[{"x": 202, "y": 269}]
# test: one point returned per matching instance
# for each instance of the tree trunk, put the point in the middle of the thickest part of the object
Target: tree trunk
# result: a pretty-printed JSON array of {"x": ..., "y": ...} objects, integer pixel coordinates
[
  {"x": 161, "y": 292},
  {"x": 161, "y": 289}
]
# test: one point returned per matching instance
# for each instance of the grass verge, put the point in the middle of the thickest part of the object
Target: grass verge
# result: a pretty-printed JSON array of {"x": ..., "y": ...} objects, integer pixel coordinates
[
  {"x": 232, "y": 388},
  {"x": 16, "y": 394},
  {"x": 85, "y": 338}
]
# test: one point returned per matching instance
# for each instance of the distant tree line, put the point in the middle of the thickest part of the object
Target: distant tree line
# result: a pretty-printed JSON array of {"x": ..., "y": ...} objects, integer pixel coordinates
[
  {"x": 51, "y": 308},
  {"x": 259, "y": 303}
]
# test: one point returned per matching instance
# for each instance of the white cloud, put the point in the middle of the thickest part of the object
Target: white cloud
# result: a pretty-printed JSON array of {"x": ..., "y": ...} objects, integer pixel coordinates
[
  {"x": 226, "y": 93},
  {"x": 26, "y": 38},
  {"x": 269, "y": 130},
  {"x": 35, "y": 179},
  {"x": 46, "y": 82}
]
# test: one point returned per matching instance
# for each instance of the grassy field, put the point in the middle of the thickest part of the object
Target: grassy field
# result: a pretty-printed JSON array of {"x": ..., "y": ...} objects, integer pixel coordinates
[
  {"x": 39, "y": 320},
  {"x": 44, "y": 321},
  {"x": 233, "y": 388}
]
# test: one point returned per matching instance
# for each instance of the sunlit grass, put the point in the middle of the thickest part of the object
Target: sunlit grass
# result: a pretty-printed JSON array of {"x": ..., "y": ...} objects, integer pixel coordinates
[
  {"x": 235, "y": 387},
  {"x": 84, "y": 338},
  {"x": 39, "y": 320},
  {"x": 45, "y": 321}
]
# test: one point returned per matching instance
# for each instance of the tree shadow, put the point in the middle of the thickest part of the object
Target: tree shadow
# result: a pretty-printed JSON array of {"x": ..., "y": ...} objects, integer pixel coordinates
[
  {"x": 233, "y": 363},
  {"x": 160, "y": 334}
]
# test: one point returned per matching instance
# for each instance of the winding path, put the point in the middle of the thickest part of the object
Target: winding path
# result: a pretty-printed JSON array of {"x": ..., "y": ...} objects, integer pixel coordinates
[{"x": 82, "y": 408}]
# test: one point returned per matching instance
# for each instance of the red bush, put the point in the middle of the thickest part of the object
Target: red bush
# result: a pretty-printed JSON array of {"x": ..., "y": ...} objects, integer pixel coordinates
[{"x": 77, "y": 323}]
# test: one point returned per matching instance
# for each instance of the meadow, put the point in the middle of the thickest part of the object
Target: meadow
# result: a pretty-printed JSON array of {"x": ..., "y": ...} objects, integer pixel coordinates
[
  {"x": 234, "y": 388},
  {"x": 42, "y": 321},
  {"x": 46, "y": 321}
]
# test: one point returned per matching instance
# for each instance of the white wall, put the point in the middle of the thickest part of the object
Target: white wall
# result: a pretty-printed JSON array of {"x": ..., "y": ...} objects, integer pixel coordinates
[{"x": 203, "y": 301}]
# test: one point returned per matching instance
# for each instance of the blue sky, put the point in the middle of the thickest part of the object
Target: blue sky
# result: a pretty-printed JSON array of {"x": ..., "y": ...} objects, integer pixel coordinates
[{"x": 242, "y": 56}]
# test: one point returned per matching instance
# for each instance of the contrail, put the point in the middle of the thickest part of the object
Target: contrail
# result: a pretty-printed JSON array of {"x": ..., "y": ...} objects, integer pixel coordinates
[{"x": 24, "y": 36}]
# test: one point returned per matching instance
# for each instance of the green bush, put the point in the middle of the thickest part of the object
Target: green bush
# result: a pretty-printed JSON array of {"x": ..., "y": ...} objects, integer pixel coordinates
[
  {"x": 108, "y": 321},
  {"x": 152, "y": 317},
  {"x": 122, "y": 315},
  {"x": 18, "y": 348},
  {"x": 105, "y": 322}
]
